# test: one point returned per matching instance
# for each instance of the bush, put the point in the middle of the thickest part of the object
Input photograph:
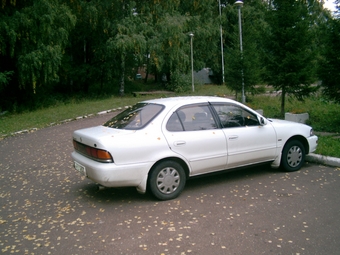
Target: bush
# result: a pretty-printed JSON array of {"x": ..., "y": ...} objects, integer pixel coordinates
[{"x": 179, "y": 82}]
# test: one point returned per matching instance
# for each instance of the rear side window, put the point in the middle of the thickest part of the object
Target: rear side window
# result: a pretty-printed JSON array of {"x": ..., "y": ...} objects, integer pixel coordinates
[
  {"x": 135, "y": 117},
  {"x": 191, "y": 118}
]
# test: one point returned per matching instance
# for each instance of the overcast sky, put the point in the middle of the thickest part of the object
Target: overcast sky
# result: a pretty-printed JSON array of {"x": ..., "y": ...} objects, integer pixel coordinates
[{"x": 329, "y": 4}]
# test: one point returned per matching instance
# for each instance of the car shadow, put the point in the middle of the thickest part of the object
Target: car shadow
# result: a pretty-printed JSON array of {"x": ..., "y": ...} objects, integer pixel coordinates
[
  {"x": 95, "y": 193},
  {"x": 231, "y": 176}
]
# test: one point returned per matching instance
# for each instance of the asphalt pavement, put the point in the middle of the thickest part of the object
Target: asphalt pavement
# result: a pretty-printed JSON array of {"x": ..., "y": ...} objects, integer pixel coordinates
[{"x": 46, "y": 207}]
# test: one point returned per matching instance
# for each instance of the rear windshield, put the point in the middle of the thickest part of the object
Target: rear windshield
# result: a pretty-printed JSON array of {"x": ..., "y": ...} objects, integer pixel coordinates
[{"x": 135, "y": 117}]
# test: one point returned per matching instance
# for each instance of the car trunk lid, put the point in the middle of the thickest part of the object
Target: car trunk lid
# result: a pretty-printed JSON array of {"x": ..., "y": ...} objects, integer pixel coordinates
[{"x": 98, "y": 136}]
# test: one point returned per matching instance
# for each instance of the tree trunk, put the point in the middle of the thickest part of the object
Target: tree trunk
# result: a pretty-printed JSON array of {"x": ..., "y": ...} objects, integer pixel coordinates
[
  {"x": 283, "y": 100},
  {"x": 156, "y": 75},
  {"x": 122, "y": 76},
  {"x": 146, "y": 76},
  {"x": 147, "y": 69}
]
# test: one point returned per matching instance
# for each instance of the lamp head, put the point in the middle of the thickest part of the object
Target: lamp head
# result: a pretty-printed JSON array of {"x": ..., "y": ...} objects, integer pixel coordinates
[{"x": 239, "y": 4}]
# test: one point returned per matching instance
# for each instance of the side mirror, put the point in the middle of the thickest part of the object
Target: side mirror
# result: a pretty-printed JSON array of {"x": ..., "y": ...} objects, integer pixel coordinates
[{"x": 263, "y": 121}]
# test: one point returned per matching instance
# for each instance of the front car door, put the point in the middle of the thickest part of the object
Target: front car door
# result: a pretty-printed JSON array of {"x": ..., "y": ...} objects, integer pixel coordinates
[{"x": 248, "y": 142}]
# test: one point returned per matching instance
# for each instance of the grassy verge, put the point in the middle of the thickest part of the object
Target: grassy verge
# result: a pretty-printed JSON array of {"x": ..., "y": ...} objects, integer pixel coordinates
[
  {"x": 10, "y": 123},
  {"x": 329, "y": 146},
  {"x": 324, "y": 116}
]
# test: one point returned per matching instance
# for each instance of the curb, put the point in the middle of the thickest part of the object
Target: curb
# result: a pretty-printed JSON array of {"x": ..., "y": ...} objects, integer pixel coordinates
[{"x": 324, "y": 160}]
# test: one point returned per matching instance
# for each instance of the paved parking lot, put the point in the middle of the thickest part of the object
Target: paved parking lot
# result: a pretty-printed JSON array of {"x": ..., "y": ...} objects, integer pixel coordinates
[{"x": 47, "y": 208}]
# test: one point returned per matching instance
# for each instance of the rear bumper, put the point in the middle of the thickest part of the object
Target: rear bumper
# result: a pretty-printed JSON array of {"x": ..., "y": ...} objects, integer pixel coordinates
[{"x": 112, "y": 175}]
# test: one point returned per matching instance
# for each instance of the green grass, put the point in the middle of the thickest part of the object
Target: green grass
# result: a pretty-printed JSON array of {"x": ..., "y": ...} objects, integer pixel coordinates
[
  {"x": 323, "y": 115},
  {"x": 10, "y": 123},
  {"x": 329, "y": 146}
]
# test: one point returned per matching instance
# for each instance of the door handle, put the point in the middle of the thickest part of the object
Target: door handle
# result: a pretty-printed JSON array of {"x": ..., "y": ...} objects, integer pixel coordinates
[
  {"x": 233, "y": 137},
  {"x": 179, "y": 143}
]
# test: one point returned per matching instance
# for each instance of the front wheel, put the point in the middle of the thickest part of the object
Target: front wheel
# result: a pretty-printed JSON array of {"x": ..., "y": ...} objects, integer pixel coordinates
[
  {"x": 293, "y": 156},
  {"x": 167, "y": 180}
]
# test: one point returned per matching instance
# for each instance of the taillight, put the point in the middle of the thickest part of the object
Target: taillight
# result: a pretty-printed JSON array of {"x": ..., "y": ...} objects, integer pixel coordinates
[{"x": 93, "y": 153}]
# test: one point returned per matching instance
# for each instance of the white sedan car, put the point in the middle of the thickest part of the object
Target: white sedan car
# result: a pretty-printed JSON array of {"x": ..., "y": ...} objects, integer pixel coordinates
[{"x": 158, "y": 144}]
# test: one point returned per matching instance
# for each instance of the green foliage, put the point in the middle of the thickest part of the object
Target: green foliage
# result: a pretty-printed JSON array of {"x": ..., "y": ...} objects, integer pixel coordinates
[
  {"x": 180, "y": 82},
  {"x": 250, "y": 62},
  {"x": 329, "y": 68},
  {"x": 88, "y": 48},
  {"x": 42, "y": 32},
  {"x": 36, "y": 34},
  {"x": 5, "y": 77},
  {"x": 289, "y": 50},
  {"x": 129, "y": 44},
  {"x": 172, "y": 54}
]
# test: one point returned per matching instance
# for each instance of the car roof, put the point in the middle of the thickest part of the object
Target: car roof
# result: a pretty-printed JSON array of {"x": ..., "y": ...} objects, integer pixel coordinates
[{"x": 172, "y": 101}]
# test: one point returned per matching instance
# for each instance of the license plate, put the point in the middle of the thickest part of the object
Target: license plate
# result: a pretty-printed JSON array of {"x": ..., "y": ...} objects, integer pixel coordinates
[{"x": 81, "y": 169}]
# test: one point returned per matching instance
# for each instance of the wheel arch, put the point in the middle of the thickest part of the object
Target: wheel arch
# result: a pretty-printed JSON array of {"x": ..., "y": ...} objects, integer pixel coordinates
[
  {"x": 144, "y": 185},
  {"x": 150, "y": 188},
  {"x": 176, "y": 159},
  {"x": 292, "y": 157},
  {"x": 301, "y": 139}
]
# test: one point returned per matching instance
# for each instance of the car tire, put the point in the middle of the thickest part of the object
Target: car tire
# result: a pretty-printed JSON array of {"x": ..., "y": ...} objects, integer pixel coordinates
[
  {"x": 293, "y": 156},
  {"x": 167, "y": 180}
]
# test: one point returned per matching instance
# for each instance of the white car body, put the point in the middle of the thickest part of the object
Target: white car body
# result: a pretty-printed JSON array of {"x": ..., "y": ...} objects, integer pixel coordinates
[{"x": 136, "y": 152}]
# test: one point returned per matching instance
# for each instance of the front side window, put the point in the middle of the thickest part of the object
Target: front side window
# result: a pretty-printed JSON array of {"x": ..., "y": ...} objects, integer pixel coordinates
[
  {"x": 135, "y": 117},
  {"x": 191, "y": 118},
  {"x": 235, "y": 116}
]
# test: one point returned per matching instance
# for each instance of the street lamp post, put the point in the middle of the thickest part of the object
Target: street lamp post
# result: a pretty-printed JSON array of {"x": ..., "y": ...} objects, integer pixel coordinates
[
  {"x": 192, "y": 63},
  {"x": 221, "y": 35},
  {"x": 239, "y": 5}
]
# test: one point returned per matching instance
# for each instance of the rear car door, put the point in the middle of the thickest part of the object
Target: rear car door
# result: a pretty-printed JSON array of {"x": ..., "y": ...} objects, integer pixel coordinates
[{"x": 192, "y": 132}]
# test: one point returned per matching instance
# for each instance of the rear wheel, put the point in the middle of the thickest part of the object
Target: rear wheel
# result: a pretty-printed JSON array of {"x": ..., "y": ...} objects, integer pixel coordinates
[
  {"x": 167, "y": 180},
  {"x": 293, "y": 156}
]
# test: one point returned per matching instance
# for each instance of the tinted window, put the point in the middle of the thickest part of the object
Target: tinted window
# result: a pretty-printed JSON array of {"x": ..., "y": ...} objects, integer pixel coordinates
[
  {"x": 174, "y": 123},
  {"x": 235, "y": 116},
  {"x": 191, "y": 118},
  {"x": 135, "y": 117}
]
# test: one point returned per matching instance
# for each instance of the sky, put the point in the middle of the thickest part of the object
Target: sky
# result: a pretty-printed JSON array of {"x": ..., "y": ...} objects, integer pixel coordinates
[{"x": 329, "y": 4}]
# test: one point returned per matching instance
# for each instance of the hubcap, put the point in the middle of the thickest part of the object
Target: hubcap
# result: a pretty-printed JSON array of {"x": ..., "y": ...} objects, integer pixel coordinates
[
  {"x": 168, "y": 180},
  {"x": 294, "y": 156}
]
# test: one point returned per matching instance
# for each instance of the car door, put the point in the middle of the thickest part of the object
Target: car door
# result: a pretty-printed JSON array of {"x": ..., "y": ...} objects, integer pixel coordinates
[
  {"x": 192, "y": 132},
  {"x": 248, "y": 142}
]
